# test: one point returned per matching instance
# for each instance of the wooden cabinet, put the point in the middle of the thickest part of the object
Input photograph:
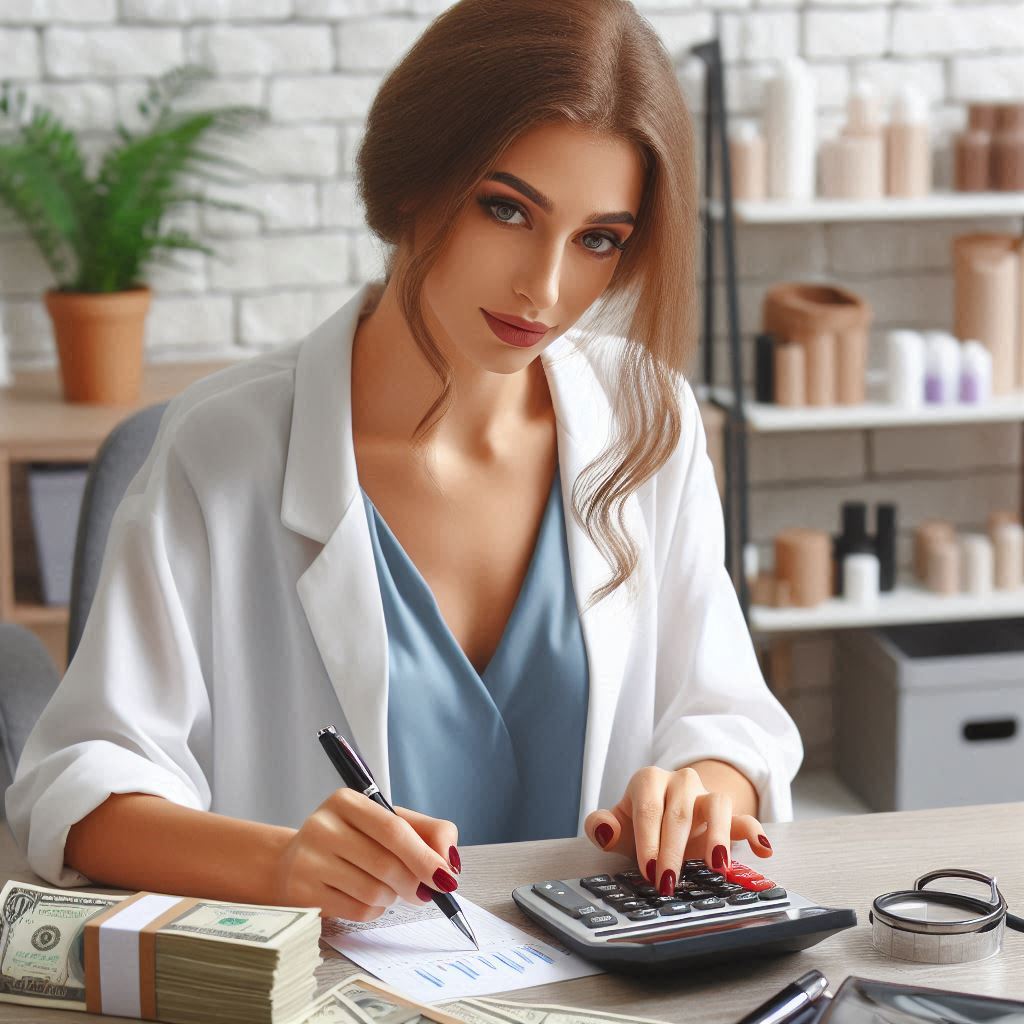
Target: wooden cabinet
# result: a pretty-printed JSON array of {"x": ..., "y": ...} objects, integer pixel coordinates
[{"x": 38, "y": 426}]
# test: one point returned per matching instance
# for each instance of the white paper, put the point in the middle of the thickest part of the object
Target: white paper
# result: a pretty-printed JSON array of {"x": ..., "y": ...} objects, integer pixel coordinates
[{"x": 418, "y": 952}]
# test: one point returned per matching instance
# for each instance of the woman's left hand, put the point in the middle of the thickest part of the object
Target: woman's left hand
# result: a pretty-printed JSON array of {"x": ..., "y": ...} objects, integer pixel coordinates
[{"x": 667, "y": 817}]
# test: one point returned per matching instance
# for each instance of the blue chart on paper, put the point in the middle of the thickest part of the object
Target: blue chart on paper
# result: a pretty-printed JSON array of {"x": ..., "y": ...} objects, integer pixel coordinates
[
  {"x": 418, "y": 952},
  {"x": 518, "y": 960}
]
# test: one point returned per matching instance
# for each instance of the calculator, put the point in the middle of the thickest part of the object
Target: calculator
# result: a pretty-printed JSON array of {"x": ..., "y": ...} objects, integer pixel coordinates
[{"x": 621, "y": 923}]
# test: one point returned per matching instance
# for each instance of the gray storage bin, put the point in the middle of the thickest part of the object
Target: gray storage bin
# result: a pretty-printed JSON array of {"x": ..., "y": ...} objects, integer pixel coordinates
[
  {"x": 55, "y": 496},
  {"x": 931, "y": 715}
]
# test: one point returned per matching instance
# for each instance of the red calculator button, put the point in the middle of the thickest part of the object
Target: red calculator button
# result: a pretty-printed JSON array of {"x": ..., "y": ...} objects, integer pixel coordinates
[
  {"x": 739, "y": 874},
  {"x": 758, "y": 885}
]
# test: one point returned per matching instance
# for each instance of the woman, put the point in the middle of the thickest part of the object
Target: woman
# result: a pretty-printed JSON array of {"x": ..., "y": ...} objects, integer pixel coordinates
[{"x": 369, "y": 529}]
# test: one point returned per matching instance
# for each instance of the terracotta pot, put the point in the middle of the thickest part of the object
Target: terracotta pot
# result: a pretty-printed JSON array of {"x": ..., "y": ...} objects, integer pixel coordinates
[{"x": 99, "y": 342}]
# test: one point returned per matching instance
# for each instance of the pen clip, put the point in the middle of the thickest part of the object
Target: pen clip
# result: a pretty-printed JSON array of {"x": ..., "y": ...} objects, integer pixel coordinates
[{"x": 369, "y": 787}]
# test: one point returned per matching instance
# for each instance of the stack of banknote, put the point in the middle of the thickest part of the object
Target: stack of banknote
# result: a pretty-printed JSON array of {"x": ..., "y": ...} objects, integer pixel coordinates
[
  {"x": 217, "y": 962},
  {"x": 364, "y": 1000}
]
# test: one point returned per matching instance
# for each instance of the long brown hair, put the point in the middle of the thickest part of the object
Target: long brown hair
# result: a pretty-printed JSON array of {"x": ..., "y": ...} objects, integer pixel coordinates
[{"x": 440, "y": 122}]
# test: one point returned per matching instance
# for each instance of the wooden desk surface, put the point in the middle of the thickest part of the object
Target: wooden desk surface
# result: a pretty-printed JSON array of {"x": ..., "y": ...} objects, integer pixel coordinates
[
  {"x": 843, "y": 862},
  {"x": 33, "y": 415}
]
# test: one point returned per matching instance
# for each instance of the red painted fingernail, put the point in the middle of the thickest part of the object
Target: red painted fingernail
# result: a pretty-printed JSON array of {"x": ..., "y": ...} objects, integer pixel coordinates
[
  {"x": 444, "y": 881},
  {"x": 424, "y": 892},
  {"x": 651, "y": 866},
  {"x": 763, "y": 840},
  {"x": 720, "y": 858},
  {"x": 603, "y": 834},
  {"x": 668, "y": 883},
  {"x": 454, "y": 859}
]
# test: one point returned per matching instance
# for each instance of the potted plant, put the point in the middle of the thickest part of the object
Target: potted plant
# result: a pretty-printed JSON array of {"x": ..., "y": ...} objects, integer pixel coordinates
[{"x": 100, "y": 234}]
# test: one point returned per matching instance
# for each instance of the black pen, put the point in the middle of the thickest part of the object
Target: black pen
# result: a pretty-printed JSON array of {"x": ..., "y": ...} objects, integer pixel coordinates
[
  {"x": 792, "y": 999},
  {"x": 356, "y": 775}
]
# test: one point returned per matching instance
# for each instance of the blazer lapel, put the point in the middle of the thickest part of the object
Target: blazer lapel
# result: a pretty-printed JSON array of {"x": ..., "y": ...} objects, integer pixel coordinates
[
  {"x": 339, "y": 591},
  {"x": 582, "y": 413}
]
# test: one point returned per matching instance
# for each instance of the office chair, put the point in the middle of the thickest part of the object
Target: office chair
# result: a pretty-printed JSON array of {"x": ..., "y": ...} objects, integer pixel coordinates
[{"x": 28, "y": 676}]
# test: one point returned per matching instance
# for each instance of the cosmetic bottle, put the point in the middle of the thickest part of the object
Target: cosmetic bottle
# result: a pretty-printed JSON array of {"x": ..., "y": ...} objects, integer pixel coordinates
[
  {"x": 803, "y": 559},
  {"x": 751, "y": 566},
  {"x": 885, "y": 544},
  {"x": 790, "y": 374},
  {"x": 748, "y": 161},
  {"x": 926, "y": 535},
  {"x": 977, "y": 564},
  {"x": 908, "y": 146},
  {"x": 905, "y": 358},
  {"x": 853, "y": 163},
  {"x": 982, "y": 116},
  {"x": 790, "y": 112},
  {"x": 975, "y": 373},
  {"x": 944, "y": 572},
  {"x": 942, "y": 368},
  {"x": 1008, "y": 547},
  {"x": 852, "y": 540},
  {"x": 861, "y": 579},
  {"x": 987, "y": 281},
  {"x": 972, "y": 151},
  {"x": 1006, "y": 162},
  {"x": 764, "y": 368}
]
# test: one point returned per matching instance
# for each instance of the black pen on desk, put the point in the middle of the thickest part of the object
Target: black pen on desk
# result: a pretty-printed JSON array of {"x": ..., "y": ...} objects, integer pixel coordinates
[
  {"x": 356, "y": 775},
  {"x": 789, "y": 1001}
]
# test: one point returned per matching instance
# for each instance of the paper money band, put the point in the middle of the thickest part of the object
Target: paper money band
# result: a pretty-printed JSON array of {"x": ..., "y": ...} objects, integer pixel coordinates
[{"x": 120, "y": 954}]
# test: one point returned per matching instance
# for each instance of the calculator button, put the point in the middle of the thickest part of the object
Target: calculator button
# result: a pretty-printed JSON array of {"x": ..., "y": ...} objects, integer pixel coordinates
[
  {"x": 642, "y": 915},
  {"x": 657, "y": 901},
  {"x": 777, "y": 893},
  {"x": 708, "y": 904},
  {"x": 674, "y": 908},
  {"x": 599, "y": 920},
  {"x": 761, "y": 885},
  {"x": 631, "y": 878},
  {"x": 729, "y": 889},
  {"x": 645, "y": 890},
  {"x": 702, "y": 874},
  {"x": 741, "y": 899},
  {"x": 697, "y": 894},
  {"x": 567, "y": 900},
  {"x": 626, "y": 905},
  {"x": 611, "y": 889},
  {"x": 589, "y": 883}
]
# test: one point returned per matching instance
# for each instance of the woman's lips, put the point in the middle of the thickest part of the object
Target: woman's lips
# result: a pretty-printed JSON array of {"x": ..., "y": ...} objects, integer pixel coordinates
[{"x": 512, "y": 335}]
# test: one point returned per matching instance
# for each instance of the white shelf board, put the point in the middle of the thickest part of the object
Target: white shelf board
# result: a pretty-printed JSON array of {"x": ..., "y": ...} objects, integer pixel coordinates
[
  {"x": 905, "y": 604},
  {"x": 767, "y": 418},
  {"x": 937, "y": 206}
]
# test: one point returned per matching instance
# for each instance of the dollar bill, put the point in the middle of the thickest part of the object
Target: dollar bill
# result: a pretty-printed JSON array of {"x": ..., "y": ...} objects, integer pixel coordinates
[
  {"x": 385, "y": 1006},
  {"x": 534, "y": 1013},
  {"x": 42, "y": 944},
  {"x": 334, "y": 1007}
]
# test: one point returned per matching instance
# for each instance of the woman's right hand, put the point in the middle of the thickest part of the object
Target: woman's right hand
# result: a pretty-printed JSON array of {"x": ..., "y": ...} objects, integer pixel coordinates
[{"x": 353, "y": 859}]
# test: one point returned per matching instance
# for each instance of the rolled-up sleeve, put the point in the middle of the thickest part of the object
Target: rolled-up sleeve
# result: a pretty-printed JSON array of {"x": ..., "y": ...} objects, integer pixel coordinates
[
  {"x": 711, "y": 698},
  {"x": 132, "y": 713}
]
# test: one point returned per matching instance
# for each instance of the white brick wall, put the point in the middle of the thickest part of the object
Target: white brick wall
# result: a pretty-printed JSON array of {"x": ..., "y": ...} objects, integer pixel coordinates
[{"x": 303, "y": 248}]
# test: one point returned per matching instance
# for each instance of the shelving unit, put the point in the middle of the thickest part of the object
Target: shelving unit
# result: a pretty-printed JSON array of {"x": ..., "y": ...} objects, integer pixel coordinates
[
  {"x": 938, "y": 206},
  {"x": 38, "y": 426},
  {"x": 908, "y": 603}
]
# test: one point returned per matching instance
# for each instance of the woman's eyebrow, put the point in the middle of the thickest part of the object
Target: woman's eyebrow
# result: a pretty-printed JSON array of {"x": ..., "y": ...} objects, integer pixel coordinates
[{"x": 621, "y": 217}]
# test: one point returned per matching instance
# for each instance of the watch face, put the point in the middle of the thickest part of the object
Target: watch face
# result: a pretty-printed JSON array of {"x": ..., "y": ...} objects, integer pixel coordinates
[{"x": 862, "y": 1001}]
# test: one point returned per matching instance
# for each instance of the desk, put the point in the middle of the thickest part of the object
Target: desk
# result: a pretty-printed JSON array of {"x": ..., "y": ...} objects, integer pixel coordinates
[
  {"x": 37, "y": 425},
  {"x": 843, "y": 862}
]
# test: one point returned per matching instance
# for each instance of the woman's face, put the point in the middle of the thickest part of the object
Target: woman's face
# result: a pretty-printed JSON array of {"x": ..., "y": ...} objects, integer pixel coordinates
[{"x": 525, "y": 245}]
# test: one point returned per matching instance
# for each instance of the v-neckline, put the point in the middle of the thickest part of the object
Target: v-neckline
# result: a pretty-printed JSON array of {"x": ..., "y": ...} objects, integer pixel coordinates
[{"x": 422, "y": 583}]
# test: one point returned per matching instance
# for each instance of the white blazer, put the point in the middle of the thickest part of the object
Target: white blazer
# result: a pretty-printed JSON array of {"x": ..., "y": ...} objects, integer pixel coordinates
[{"x": 238, "y": 611}]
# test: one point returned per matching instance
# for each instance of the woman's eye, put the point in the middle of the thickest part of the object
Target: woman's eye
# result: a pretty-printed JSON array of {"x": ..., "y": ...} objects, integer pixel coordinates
[{"x": 504, "y": 212}]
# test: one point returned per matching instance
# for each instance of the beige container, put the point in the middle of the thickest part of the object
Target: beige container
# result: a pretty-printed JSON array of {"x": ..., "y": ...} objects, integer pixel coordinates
[
  {"x": 748, "y": 159},
  {"x": 972, "y": 151},
  {"x": 803, "y": 559},
  {"x": 944, "y": 568},
  {"x": 1006, "y": 162},
  {"x": 790, "y": 374},
  {"x": 853, "y": 166},
  {"x": 981, "y": 116},
  {"x": 988, "y": 301},
  {"x": 1008, "y": 545},
  {"x": 926, "y": 536},
  {"x": 831, "y": 324},
  {"x": 908, "y": 152}
]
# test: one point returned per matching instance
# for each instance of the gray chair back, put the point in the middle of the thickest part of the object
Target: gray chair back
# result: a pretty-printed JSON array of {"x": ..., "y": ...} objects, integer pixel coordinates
[{"x": 118, "y": 460}]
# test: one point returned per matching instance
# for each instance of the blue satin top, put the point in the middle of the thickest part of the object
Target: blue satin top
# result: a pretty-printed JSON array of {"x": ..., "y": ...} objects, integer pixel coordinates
[{"x": 499, "y": 753}]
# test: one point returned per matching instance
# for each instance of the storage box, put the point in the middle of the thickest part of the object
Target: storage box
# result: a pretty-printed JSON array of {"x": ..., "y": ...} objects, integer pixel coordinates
[
  {"x": 931, "y": 715},
  {"x": 55, "y": 496}
]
